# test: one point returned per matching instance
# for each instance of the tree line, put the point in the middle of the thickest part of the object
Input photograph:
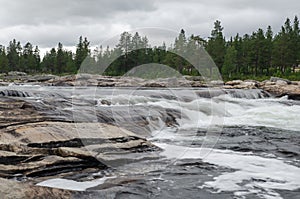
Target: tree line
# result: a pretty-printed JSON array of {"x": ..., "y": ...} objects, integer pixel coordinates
[
  {"x": 56, "y": 61},
  {"x": 259, "y": 54}
]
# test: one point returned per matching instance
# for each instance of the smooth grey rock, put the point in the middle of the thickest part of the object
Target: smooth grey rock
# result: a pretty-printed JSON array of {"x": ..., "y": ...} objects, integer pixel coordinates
[
  {"x": 275, "y": 79},
  {"x": 234, "y": 82},
  {"x": 16, "y": 73},
  {"x": 10, "y": 189},
  {"x": 281, "y": 82}
]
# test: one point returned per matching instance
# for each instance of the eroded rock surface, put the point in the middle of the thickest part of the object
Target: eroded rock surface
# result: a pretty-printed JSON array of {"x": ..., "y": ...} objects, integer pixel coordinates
[
  {"x": 12, "y": 190},
  {"x": 39, "y": 141},
  {"x": 50, "y": 148},
  {"x": 276, "y": 86},
  {"x": 282, "y": 89}
]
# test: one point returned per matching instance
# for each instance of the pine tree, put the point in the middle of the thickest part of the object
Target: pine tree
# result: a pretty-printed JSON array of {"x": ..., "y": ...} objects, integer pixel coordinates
[
  {"x": 144, "y": 51},
  {"x": 216, "y": 45},
  {"x": 192, "y": 54},
  {"x": 257, "y": 52},
  {"x": 136, "y": 46},
  {"x": 49, "y": 62},
  {"x": 238, "y": 44},
  {"x": 230, "y": 61},
  {"x": 296, "y": 43},
  {"x": 125, "y": 46},
  {"x": 269, "y": 49},
  {"x": 246, "y": 55},
  {"x": 13, "y": 54},
  {"x": 290, "y": 59},
  {"x": 283, "y": 45},
  {"x": 27, "y": 61},
  {"x": 3, "y": 60},
  {"x": 70, "y": 64},
  {"x": 261, "y": 57},
  {"x": 180, "y": 46},
  {"x": 82, "y": 51},
  {"x": 60, "y": 59}
]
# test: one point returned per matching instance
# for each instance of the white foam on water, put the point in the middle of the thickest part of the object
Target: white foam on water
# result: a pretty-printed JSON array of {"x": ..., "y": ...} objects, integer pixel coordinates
[
  {"x": 200, "y": 113},
  {"x": 223, "y": 110},
  {"x": 60, "y": 183},
  {"x": 228, "y": 111},
  {"x": 253, "y": 174},
  {"x": 261, "y": 112}
]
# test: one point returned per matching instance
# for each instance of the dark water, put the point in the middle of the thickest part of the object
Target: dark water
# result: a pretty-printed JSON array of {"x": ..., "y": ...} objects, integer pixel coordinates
[{"x": 216, "y": 143}]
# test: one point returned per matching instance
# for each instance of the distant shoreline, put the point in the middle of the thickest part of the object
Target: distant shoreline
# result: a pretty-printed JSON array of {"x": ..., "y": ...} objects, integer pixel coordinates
[{"x": 276, "y": 86}]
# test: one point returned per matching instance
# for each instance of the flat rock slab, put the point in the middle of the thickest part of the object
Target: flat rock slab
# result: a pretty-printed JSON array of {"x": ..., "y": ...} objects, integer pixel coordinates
[
  {"x": 39, "y": 141},
  {"x": 35, "y": 152},
  {"x": 291, "y": 90},
  {"x": 12, "y": 190},
  {"x": 47, "y": 132},
  {"x": 16, "y": 111},
  {"x": 50, "y": 148}
]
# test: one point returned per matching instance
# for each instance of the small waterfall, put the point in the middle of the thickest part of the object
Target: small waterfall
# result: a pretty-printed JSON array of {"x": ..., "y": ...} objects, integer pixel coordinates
[
  {"x": 235, "y": 93},
  {"x": 248, "y": 94},
  {"x": 19, "y": 93},
  {"x": 15, "y": 93}
]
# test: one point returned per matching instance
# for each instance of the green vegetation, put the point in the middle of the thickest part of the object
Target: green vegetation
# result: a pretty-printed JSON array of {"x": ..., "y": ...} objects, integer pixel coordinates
[{"x": 256, "y": 56}]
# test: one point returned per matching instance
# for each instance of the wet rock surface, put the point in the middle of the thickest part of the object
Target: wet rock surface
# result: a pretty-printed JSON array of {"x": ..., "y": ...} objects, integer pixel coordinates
[
  {"x": 28, "y": 149},
  {"x": 279, "y": 90},
  {"x": 11, "y": 190},
  {"x": 38, "y": 141},
  {"x": 261, "y": 140},
  {"x": 276, "y": 86}
]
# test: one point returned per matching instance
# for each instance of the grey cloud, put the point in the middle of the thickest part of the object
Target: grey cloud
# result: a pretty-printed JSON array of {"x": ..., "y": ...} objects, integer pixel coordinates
[
  {"x": 30, "y": 12},
  {"x": 47, "y": 22}
]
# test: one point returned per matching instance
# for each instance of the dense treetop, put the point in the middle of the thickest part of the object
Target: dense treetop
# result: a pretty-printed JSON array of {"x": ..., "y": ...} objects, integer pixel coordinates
[{"x": 259, "y": 54}]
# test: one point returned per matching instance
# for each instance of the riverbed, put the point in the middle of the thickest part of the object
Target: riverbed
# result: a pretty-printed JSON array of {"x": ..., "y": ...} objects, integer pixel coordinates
[{"x": 214, "y": 143}]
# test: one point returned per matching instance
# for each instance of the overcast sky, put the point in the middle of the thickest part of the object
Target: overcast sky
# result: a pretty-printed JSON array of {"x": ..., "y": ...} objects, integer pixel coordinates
[{"x": 47, "y": 22}]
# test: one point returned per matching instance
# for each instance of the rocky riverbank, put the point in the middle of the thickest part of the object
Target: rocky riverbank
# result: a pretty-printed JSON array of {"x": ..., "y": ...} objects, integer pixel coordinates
[
  {"x": 276, "y": 86},
  {"x": 38, "y": 142}
]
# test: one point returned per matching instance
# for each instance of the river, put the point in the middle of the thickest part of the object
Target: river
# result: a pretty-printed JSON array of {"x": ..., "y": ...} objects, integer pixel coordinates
[{"x": 215, "y": 143}]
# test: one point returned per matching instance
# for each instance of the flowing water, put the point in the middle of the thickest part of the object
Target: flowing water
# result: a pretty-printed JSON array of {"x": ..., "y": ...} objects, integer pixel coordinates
[{"x": 215, "y": 143}]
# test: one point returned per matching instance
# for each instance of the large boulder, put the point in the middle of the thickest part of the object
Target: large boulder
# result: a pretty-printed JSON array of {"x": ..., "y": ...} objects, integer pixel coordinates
[
  {"x": 16, "y": 73},
  {"x": 291, "y": 90},
  {"x": 193, "y": 78},
  {"x": 42, "y": 78},
  {"x": 239, "y": 84},
  {"x": 154, "y": 84},
  {"x": 216, "y": 83},
  {"x": 234, "y": 82},
  {"x": 281, "y": 83},
  {"x": 276, "y": 79}
]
